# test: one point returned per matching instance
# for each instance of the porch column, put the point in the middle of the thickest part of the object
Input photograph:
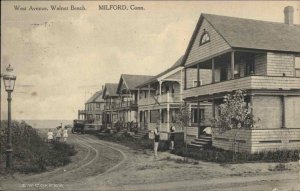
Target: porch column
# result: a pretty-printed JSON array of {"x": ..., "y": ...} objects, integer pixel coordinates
[
  {"x": 185, "y": 78},
  {"x": 168, "y": 117},
  {"x": 198, "y": 75},
  {"x": 190, "y": 111},
  {"x": 137, "y": 98},
  {"x": 212, "y": 70},
  {"x": 213, "y": 108},
  {"x": 251, "y": 103},
  {"x": 148, "y": 100},
  {"x": 283, "y": 110},
  {"x": 232, "y": 65},
  {"x": 160, "y": 82},
  {"x": 111, "y": 120},
  {"x": 198, "y": 115},
  {"x": 148, "y": 114},
  {"x": 160, "y": 118}
]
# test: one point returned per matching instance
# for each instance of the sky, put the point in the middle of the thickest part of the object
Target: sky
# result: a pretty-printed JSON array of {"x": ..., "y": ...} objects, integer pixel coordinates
[{"x": 61, "y": 58}]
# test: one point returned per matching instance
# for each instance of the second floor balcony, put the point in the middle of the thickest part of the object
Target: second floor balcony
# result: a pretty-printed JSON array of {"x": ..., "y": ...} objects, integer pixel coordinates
[
  {"x": 126, "y": 104},
  {"x": 247, "y": 83},
  {"x": 159, "y": 99}
]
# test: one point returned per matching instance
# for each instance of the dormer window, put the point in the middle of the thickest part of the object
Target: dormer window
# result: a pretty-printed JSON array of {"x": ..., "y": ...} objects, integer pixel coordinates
[{"x": 205, "y": 38}]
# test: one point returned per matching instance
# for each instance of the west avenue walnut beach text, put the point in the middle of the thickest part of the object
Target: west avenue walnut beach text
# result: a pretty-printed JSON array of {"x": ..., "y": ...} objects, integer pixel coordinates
[{"x": 77, "y": 7}]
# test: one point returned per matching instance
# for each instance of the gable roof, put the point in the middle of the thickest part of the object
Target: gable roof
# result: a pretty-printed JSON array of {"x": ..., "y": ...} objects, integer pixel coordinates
[
  {"x": 177, "y": 64},
  {"x": 110, "y": 89},
  {"x": 96, "y": 97},
  {"x": 131, "y": 81},
  {"x": 256, "y": 34},
  {"x": 252, "y": 34}
]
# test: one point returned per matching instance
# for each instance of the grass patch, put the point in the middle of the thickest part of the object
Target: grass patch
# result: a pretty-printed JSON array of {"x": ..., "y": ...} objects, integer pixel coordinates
[
  {"x": 31, "y": 154},
  {"x": 131, "y": 142},
  {"x": 223, "y": 156}
]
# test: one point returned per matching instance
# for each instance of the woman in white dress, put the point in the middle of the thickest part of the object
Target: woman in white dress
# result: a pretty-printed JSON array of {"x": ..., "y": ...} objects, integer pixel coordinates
[
  {"x": 50, "y": 136},
  {"x": 65, "y": 134},
  {"x": 58, "y": 134}
]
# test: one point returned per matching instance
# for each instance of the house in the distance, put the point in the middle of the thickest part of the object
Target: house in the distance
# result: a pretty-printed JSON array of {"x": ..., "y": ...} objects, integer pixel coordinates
[
  {"x": 111, "y": 99},
  {"x": 127, "y": 108},
  {"x": 260, "y": 57},
  {"x": 92, "y": 114}
]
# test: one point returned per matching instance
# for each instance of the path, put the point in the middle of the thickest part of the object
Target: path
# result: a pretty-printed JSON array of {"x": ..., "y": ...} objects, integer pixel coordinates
[{"x": 101, "y": 165}]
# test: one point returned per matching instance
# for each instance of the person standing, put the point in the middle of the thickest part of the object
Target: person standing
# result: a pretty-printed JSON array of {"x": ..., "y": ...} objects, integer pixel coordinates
[
  {"x": 156, "y": 141},
  {"x": 50, "y": 136},
  {"x": 172, "y": 136},
  {"x": 65, "y": 134},
  {"x": 58, "y": 134}
]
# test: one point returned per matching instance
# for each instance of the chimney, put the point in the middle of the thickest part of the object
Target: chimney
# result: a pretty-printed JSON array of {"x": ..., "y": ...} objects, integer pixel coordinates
[{"x": 289, "y": 15}]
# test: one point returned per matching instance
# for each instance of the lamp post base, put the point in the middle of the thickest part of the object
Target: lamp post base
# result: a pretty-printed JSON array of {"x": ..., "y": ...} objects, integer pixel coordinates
[{"x": 9, "y": 158}]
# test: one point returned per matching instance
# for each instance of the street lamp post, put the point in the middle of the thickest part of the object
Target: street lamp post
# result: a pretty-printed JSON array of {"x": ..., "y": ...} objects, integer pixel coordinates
[{"x": 9, "y": 83}]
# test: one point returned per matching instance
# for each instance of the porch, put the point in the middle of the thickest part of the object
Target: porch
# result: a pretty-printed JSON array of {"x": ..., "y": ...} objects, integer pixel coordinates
[{"x": 250, "y": 82}]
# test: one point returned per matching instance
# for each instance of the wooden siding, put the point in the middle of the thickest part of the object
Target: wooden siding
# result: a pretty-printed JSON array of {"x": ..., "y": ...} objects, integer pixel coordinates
[
  {"x": 292, "y": 111},
  {"x": 257, "y": 140},
  {"x": 279, "y": 64},
  {"x": 250, "y": 82},
  {"x": 176, "y": 76},
  {"x": 269, "y": 110},
  {"x": 260, "y": 64},
  {"x": 205, "y": 76},
  {"x": 216, "y": 45}
]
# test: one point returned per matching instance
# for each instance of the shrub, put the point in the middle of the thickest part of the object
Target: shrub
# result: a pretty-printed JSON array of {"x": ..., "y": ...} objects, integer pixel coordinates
[
  {"x": 223, "y": 156},
  {"x": 30, "y": 152}
]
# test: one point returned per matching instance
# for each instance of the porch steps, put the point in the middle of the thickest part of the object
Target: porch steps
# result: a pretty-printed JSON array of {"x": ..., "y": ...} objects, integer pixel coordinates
[
  {"x": 200, "y": 143},
  {"x": 140, "y": 134}
]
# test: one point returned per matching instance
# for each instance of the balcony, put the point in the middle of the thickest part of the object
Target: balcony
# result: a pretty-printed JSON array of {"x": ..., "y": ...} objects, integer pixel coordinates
[
  {"x": 110, "y": 106},
  {"x": 250, "y": 82},
  {"x": 126, "y": 104},
  {"x": 81, "y": 112},
  {"x": 164, "y": 98}
]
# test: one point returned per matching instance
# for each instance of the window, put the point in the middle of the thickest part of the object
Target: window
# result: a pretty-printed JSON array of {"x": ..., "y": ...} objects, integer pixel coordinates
[
  {"x": 249, "y": 68},
  {"x": 97, "y": 105},
  {"x": 173, "y": 116},
  {"x": 154, "y": 116},
  {"x": 205, "y": 38},
  {"x": 195, "y": 84},
  {"x": 236, "y": 70},
  {"x": 297, "y": 66},
  {"x": 98, "y": 117},
  {"x": 194, "y": 118}
]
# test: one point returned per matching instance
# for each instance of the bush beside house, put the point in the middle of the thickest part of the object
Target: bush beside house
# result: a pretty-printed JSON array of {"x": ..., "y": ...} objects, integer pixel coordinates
[{"x": 30, "y": 151}]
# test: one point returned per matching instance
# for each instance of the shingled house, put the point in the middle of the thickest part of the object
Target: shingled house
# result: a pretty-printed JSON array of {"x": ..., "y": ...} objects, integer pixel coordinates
[
  {"x": 111, "y": 99},
  {"x": 127, "y": 108},
  {"x": 260, "y": 57},
  {"x": 161, "y": 97},
  {"x": 92, "y": 114}
]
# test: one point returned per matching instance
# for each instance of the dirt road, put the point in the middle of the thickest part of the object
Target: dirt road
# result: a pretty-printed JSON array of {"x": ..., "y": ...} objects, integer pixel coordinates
[{"x": 101, "y": 165}]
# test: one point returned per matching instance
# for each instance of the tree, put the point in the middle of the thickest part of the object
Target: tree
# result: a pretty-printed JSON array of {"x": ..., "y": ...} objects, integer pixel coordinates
[
  {"x": 183, "y": 118},
  {"x": 234, "y": 114}
]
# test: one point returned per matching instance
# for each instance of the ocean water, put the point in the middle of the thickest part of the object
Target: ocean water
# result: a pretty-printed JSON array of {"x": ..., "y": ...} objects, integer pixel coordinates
[{"x": 47, "y": 124}]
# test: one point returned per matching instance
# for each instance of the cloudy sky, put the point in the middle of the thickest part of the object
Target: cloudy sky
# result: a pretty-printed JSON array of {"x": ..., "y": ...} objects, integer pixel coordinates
[{"x": 62, "y": 57}]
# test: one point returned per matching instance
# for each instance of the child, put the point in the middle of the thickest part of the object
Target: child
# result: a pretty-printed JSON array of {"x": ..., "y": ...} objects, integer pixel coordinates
[
  {"x": 172, "y": 136},
  {"x": 58, "y": 134},
  {"x": 65, "y": 134},
  {"x": 50, "y": 136}
]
